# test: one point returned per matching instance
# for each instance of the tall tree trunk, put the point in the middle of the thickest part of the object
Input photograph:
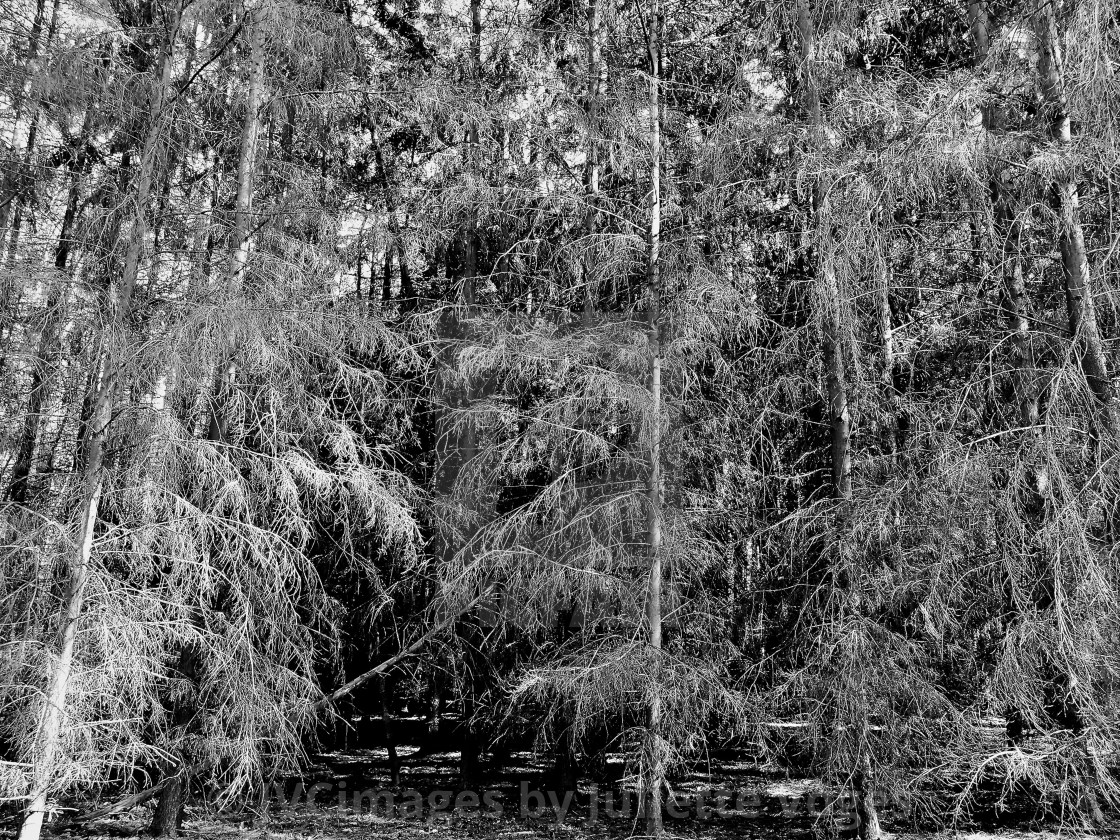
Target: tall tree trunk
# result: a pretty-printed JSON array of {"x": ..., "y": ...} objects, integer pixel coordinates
[
  {"x": 886, "y": 335},
  {"x": 50, "y": 730},
  {"x": 387, "y": 732},
  {"x": 468, "y": 443},
  {"x": 655, "y": 747},
  {"x": 1015, "y": 303},
  {"x": 591, "y": 176},
  {"x": 408, "y": 291},
  {"x": 1080, "y": 307},
  {"x": 172, "y": 799},
  {"x": 169, "y": 811},
  {"x": 832, "y": 340},
  {"x": 241, "y": 240}
]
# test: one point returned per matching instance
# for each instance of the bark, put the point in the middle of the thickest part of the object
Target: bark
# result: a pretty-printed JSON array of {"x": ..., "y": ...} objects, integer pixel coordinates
[
  {"x": 16, "y": 199},
  {"x": 656, "y": 757},
  {"x": 1080, "y": 308},
  {"x": 246, "y": 160},
  {"x": 867, "y": 817},
  {"x": 978, "y": 24},
  {"x": 168, "y": 816},
  {"x": 51, "y": 730}
]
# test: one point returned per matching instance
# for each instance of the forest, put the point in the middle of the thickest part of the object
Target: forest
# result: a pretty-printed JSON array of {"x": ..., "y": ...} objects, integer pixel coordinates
[{"x": 639, "y": 389}]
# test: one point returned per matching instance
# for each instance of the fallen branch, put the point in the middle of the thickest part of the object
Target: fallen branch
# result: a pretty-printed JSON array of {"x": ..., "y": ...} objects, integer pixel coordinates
[
  {"x": 130, "y": 801},
  {"x": 363, "y": 678}
]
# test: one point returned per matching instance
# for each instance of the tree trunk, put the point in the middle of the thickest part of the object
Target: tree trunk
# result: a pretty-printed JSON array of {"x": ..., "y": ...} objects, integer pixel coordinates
[
  {"x": 591, "y": 176},
  {"x": 836, "y": 382},
  {"x": 1080, "y": 307},
  {"x": 867, "y": 816},
  {"x": 387, "y": 733},
  {"x": 50, "y": 731},
  {"x": 1015, "y": 303},
  {"x": 470, "y": 748},
  {"x": 407, "y": 294},
  {"x": 168, "y": 816},
  {"x": 886, "y": 334},
  {"x": 242, "y": 239},
  {"x": 246, "y": 160},
  {"x": 832, "y": 341},
  {"x": 655, "y": 749}
]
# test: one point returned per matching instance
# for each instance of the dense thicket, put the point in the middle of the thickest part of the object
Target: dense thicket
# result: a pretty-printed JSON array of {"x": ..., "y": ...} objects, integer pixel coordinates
[{"x": 629, "y": 372}]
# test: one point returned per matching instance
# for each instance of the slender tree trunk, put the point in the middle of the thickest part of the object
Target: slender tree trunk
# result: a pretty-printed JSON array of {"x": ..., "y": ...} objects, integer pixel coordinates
[
  {"x": 470, "y": 250},
  {"x": 1080, "y": 307},
  {"x": 886, "y": 335},
  {"x": 172, "y": 799},
  {"x": 51, "y": 731},
  {"x": 655, "y": 747},
  {"x": 1015, "y": 302},
  {"x": 408, "y": 291},
  {"x": 1016, "y": 307},
  {"x": 835, "y": 383},
  {"x": 468, "y": 444},
  {"x": 591, "y": 178},
  {"x": 387, "y": 733},
  {"x": 246, "y": 160},
  {"x": 386, "y": 277},
  {"x": 241, "y": 240}
]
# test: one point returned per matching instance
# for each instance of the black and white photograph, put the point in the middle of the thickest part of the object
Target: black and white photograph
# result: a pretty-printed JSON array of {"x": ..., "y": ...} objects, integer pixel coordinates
[{"x": 560, "y": 419}]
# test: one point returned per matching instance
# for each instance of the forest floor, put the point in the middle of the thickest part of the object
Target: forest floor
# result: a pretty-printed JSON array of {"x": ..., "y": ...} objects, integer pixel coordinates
[{"x": 513, "y": 803}]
